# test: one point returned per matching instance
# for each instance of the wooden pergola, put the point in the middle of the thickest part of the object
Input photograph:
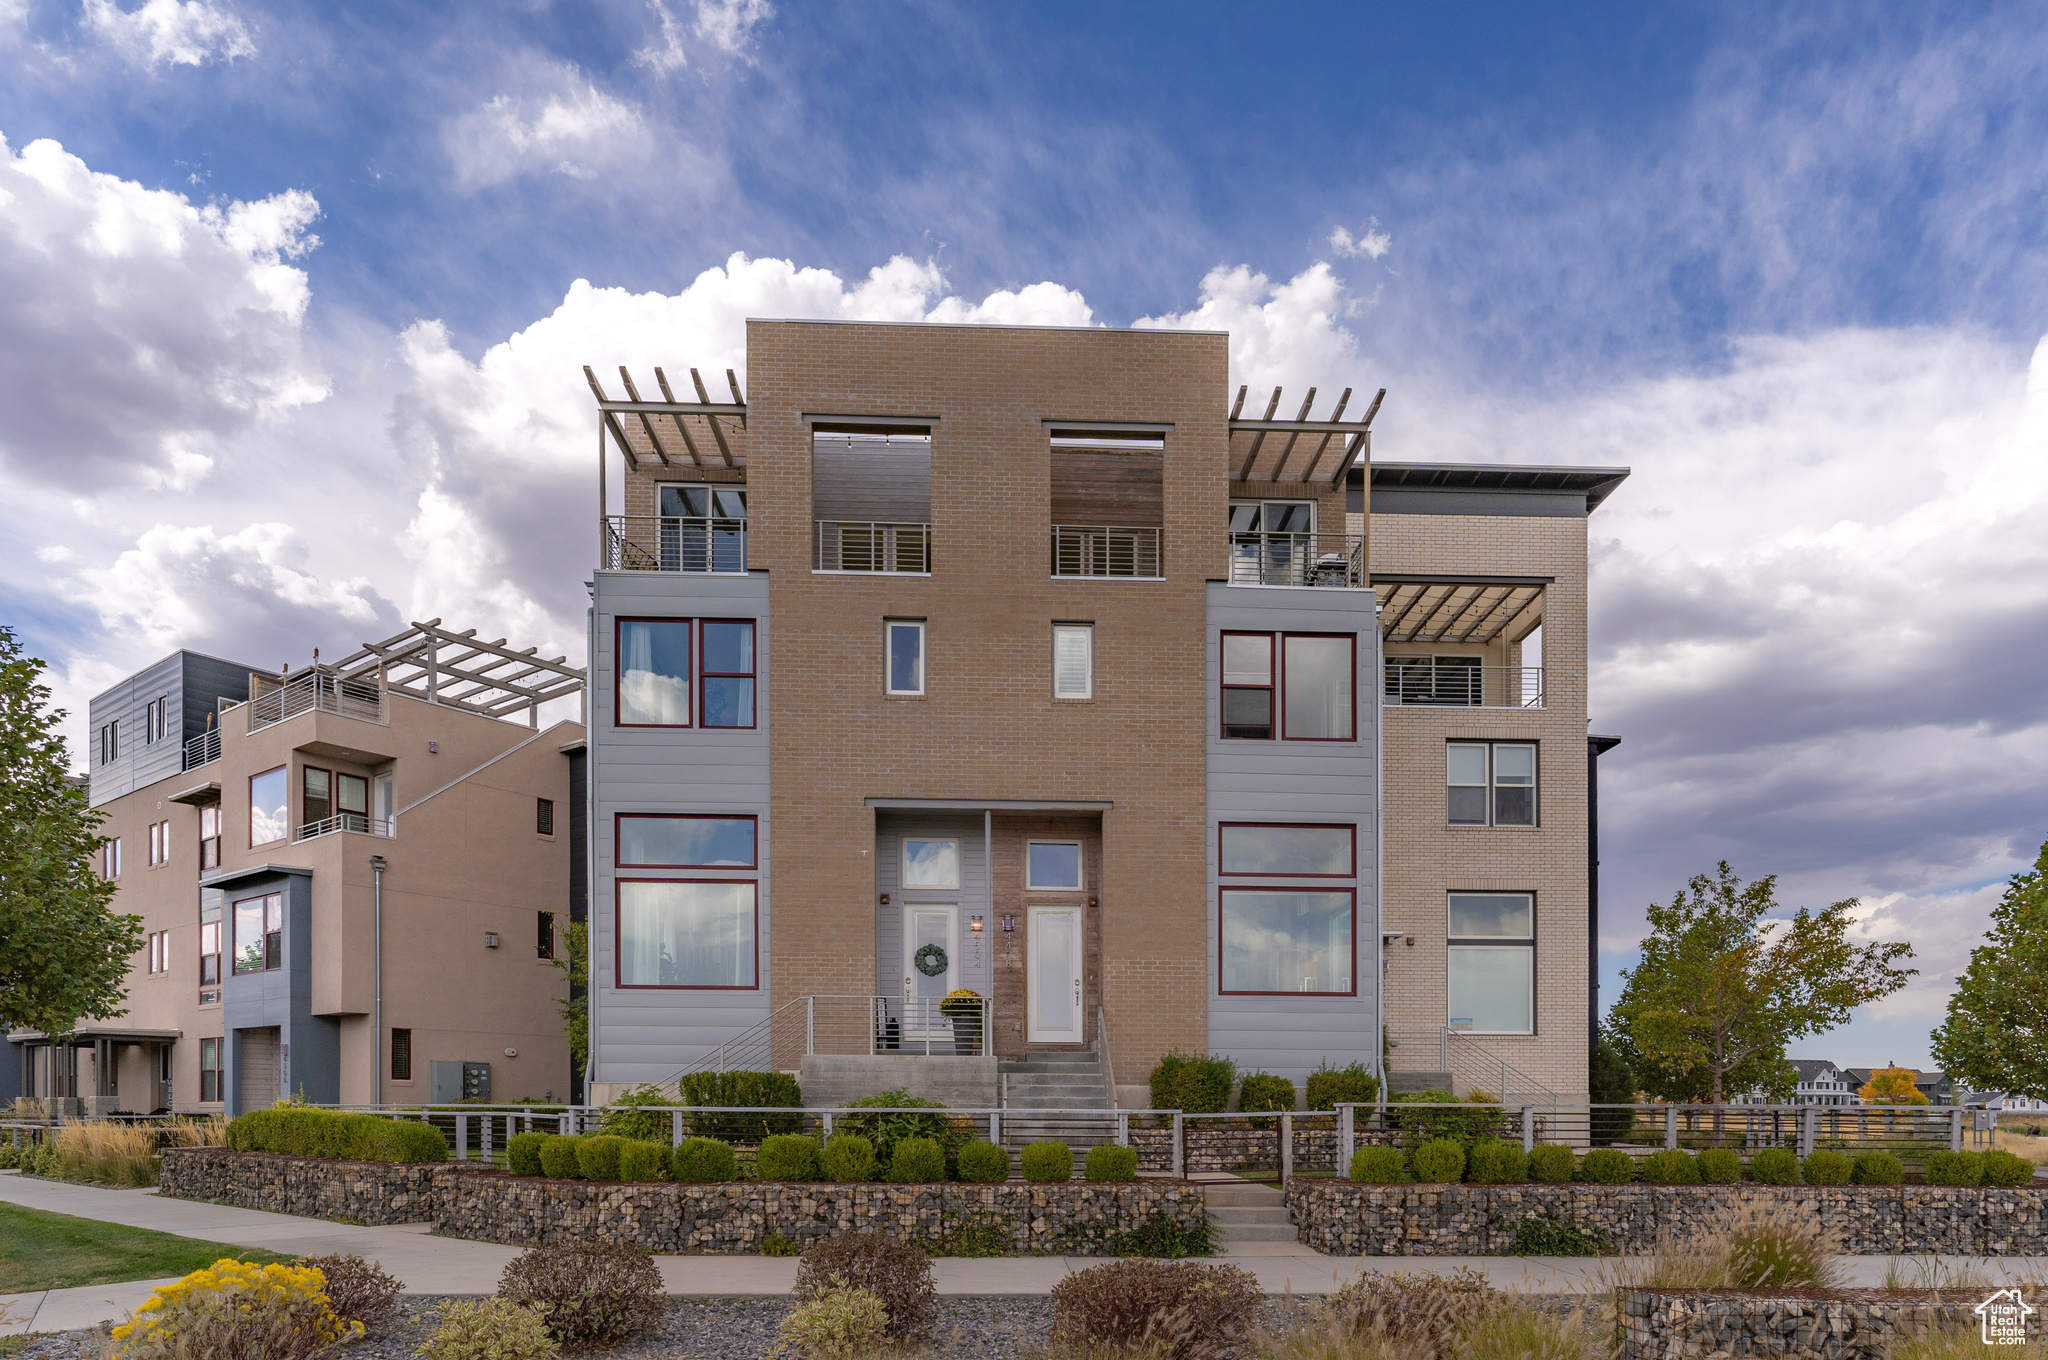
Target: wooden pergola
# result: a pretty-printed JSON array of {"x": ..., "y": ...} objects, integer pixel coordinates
[
  {"x": 1355, "y": 437},
  {"x": 441, "y": 666}
]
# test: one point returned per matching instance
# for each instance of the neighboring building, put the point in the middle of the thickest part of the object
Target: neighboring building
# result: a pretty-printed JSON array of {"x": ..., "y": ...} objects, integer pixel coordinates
[
  {"x": 267, "y": 827},
  {"x": 1022, "y": 661},
  {"x": 1820, "y": 1083}
]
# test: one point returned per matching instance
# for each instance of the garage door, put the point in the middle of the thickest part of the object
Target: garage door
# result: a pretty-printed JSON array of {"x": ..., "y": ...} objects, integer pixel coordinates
[{"x": 255, "y": 1069}]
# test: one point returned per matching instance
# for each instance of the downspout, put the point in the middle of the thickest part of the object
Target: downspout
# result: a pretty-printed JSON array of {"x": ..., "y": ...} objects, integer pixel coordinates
[
  {"x": 988, "y": 883},
  {"x": 377, "y": 866},
  {"x": 1379, "y": 851}
]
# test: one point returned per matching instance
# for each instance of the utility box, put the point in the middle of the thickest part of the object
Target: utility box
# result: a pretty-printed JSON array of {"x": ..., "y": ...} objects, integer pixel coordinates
[
  {"x": 458, "y": 1081},
  {"x": 476, "y": 1081}
]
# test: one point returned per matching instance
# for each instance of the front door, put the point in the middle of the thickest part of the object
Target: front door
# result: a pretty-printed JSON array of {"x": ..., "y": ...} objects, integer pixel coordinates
[
  {"x": 931, "y": 962},
  {"x": 1055, "y": 991}
]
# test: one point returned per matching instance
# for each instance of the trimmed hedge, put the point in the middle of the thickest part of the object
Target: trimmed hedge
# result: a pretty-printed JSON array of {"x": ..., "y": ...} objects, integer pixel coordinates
[
  {"x": 1378, "y": 1166},
  {"x": 787, "y": 1157},
  {"x": 1775, "y": 1166},
  {"x": 522, "y": 1153},
  {"x": 1262, "y": 1091},
  {"x": 1439, "y": 1162},
  {"x": 742, "y": 1089},
  {"x": 598, "y": 1156},
  {"x": 2007, "y": 1168},
  {"x": 850, "y": 1159},
  {"x": 558, "y": 1157},
  {"x": 702, "y": 1160},
  {"x": 1878, "y": 1168},
  {"x": 307, "y": 1132},
  {"x": 1720, "y": 1166},
  {"x": 1955, "y": 1168},
  {"x": 1608, "y": 1166},
  {"x": 1826, "y": 1168},
  {"x": 1192, "y": 1083},
  {"x": 1048, "y": 1163},
  {"x": 640, "y": 1160},
  {"x": 1328, "y": 1087},
  {"x": 983, "y": 1163},
  {"x": 1550, "y": 1163},
  {"x": 918, "y": 1161},
  {"x": 1109, "y": 1162},
  {"x": 1672, "y": 1166},
  {"x": 1493, "y": 1162}
]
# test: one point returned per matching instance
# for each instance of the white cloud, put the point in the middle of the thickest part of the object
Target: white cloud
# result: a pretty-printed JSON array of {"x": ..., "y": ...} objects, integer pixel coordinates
[
  {"x": 141, "y": 331},
  {"x": 730, "y": 24},
  {"x": 669, "y": 56},
  {"x": 1369, "y": 242},
  {"x": 575, "y": 129},
  {"x": 162, "y": 32},
  {"x": 1279, "y": 333}
]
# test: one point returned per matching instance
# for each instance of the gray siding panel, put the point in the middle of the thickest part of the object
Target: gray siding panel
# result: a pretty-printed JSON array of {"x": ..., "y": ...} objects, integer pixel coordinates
[
  {"x": 1277, "y": 781},
  {"x": 637, "y": 1034},
  {"x": 192, "y": 682},
  {"x": 976, "y": 967}
]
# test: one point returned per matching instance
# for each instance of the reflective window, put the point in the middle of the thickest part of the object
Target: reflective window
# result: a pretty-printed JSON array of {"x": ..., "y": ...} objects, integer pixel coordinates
[
  {"x": 686, "y": 842},
  {"x": 728, "y": 673},
  {"x": 1492, "y": 964},
  {"x": 654, "y": 673},
  {"x": 931, "y": 864},
  {"x": 1317, "y": 703},
  {"x": 906, "y": 657},
  {"x": 1317, "y": 850},
  {"x": 1248, "y": 685},
  {"x": 1286, "y": 940},
  {"x": 269, "y": 810},
  {"x": 686, "y": 934},
  {"x": 1052, "y": 865},
  {"x": 1490, "y": 783},
  {"x": 259, "y": 933}
]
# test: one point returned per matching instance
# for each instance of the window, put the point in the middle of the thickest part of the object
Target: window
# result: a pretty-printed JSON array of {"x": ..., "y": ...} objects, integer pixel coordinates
[
  {"x": 685, "y": 841},
  {"x": 352, "y": 801},
  {"x": 155, "y": 715},
  {"x": 1073, "y": 661},
  {"x": 675, "y": 933},
  {"x": 544, "y": 940},
  {"x": 110, "y": 743},
  {"x": 259, "y": 933},
  {"x": 1245, "y": 848},
  {"x": 654, "y": 673},
  {"x": 1492, "y": 966},
  {"x": 703, "y": 528},
  {"x": 401, "y": 1055},
  {"x": 209, "y": 836},
  {"x": 383, "y": 804},
  {"x": 110, "y": 858},
  {"x": 159, "y": 843},
  {"x": 1052, "y": 866},
  {"x": 317, "y": 805},
  {"x": 728, "y": 691},
  {"x": 544, "y": 816},
  {"x": 209, "y": 954},
  {"x": 1490, "y": 783},
  {"x": 1319, "y": 674},
  {"x": 931, "y": 864},
  {"x": 159, "y": 951},
  {"x": 269, "y": 815},
  {"x": 1248, "y": 685},
  {"x": 906, "y": 657},
  {"x": 209, "y": 1071},
  {"x": 1292, "y": 940}
]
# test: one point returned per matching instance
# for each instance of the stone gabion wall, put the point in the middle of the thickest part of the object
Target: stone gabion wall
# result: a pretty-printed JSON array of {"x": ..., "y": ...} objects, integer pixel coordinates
[
  {"x": 313, "y": 1187},
  {"x": 1219, "y": 1146},
  {"x": 1344, "y": 1219},
  {"x": 1857, "y": 1325}
]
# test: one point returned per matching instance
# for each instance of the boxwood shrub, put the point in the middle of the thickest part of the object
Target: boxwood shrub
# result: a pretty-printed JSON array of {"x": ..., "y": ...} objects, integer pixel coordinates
[
  {"x": 1775, "y": 1166},
  {"x": 918, "y": 1161},
  {"x": 1720, "y": 1166},
  {"x": 1608, "y": 1166},
  {"x": 1672, "y": 1166},
  {"x": 702, "y": 1160},
  {"x": 1494, "y": 1162},
  {"x": 1192, "y": 1083},
  {"x": 522, "y": 1153},
  {"x": 640, "y": 1160},
  {"x": 1109, "y": 1162},
  {"x": 1954, "y": 1168},
  {"x": 1048, "y": 1163},
  {"x": 1550, "y": 1162},
  {"x": 1328, "y": 1087},
  {"x": 787, "y": 1157},
  {"x": 308, "y": 1132},
  {"x": 598, "y": 1155},
  {"x": 1379, "y": 1166},
  {"x": 742, "y": 1089},
  {"x": 983, "y": 1163},
  {"x": 1878, "y": 1168},
  {"x": 1823, "y": 1167},
  {"x": 558, "y": 1157},
  {"x": 850, "y": 1159},
  {"x": 1262, "y": 1091},
  {"x": 2007, "y": 1168},
  {"x": 1439, "y": 1162}
]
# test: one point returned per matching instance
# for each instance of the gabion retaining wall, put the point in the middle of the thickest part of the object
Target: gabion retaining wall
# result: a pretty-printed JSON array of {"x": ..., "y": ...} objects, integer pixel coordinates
[
  {"x": 1219, "y": 1146},
  {"x": 1854, "y": 1325},
  {"x": 734, "y": 1218},
  {"x": 1343, "y": 1219}
]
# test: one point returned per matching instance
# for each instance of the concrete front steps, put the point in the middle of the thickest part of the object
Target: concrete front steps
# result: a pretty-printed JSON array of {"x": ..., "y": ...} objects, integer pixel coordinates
[
  {"x": 1056, "y": 1081},
  {"x": 1245, "y": 1212}
]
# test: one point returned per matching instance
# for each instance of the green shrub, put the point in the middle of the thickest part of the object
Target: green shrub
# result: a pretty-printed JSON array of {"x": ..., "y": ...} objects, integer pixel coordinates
[
  {"x": 1328, "y": 1087},
  {"x": 598, "y": 1156},
  {"x": 302, "y": 1131},
  {"x": 787, "y": 1157},
  {"x": 1164, "y": 1238},
  {"x": 1439, "y": 1162},
  {"x": 905, "y": 1120},
  {"x": 775, "y": 1244},
  {"x": 1551, "y": 1163},
  {"x": 840, "y": 1321},
  {"x": 1775, "y": 1166},
  {"x": 918, "y": 1161},
  {"x": 1192, "y": 1083},
  {"x": 1672, "y": 1166},
  {"x": 1494, "y": 1162},
  {"x": 1263, "y": 1091},
  {"x": 558, "y": 1157},
  {"x": 2006, "y": 1168},
  {"x": 1048, "y": 1163},
  {"x": 522, "y": 1153},
  {"x": 1826, "y": 1168},
  {"x": 589, "y": 1292},
  {"x": 1878, "y": 1168},
  {"x": 983, "y": 1163},
  {"x": 490, "y": 1329},
  {"x": 1720, "y": 1166},
  {"x": 10, "y": 1155},
  {"x": 1462, "y": 1122},
  {"x": 700, "y": 1160},
  {"x": 1954, "y": 1168},
  {"x": 743, "y": 1089},
  {"x": 626, "y": 1118},
  {"x": 850, "y": 1159},
  {"x": 1379, "y": 1166},
  {"x": 642, "y": 1161},
  {"x": 1109, "y": 1162},
  {"x": 1557, "y": 1237},
  {"x": 1608, "y": 1166}
]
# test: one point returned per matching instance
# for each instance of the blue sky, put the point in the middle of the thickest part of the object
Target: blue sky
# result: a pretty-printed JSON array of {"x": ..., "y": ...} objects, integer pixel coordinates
[{"x": 290, "y": 330}]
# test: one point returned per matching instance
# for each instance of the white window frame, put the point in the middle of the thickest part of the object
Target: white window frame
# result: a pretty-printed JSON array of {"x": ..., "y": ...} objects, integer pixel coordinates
[
  {"x": 1080, "y": 859},
  {"x": 889, "y": 627},
  {"x": 1086, "y": 631},
  {"x": 154, "y": 716}
]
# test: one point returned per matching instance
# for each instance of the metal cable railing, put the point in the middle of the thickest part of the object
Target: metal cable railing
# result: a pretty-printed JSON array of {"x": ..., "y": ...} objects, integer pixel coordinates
[
  {"x": 1105, "y": 551},
  {"x": 1334, "y": 560},
  {"x": 674, "y": 543},
  {"x": 319, "y": 691},
  {"x": 203, "y": 749},
  {"x": 851, "y": 1026},
  {"x": 347, "y": 821},
  {"x": 1448, "y": 684},
  {"x": 871, "y": 546}
]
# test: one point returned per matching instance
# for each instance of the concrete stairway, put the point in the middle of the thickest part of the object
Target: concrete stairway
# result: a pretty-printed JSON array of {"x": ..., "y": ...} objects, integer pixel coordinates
[
  {"x": 1247, "y": 1212},
  {"x": 1056, "y": 1081}
]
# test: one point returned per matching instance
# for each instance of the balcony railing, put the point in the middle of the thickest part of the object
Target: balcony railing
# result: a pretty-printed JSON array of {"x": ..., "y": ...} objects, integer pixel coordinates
[
  {"x": 316, "y": 691},
  {"x": 1334, "y": 560},
  {"x": 346, "y": 821},
  {"x": 675, "y": 543},
  {"x": 869, "y": 545},
  {"x": 203, "y": 749},
  {"x": 1425, "y": 680},
  {"x": 1105, "y": 551}
]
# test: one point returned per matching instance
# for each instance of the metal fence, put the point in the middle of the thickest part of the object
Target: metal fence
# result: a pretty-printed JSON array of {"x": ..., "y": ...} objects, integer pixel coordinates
[
  {"x": 1426, "y": 681},
  {"x": 848, "y": 1026},
  {"x": 203, "y": 749},
  {"x": 347, "y": 821},
  {"x": 1336, "y": 560},
  {"x": 871, "y": 546},
  {"x": 675, "y": 543},
  {"x": 1105, "y": 550},
  {"x": 319, "y": 690}
]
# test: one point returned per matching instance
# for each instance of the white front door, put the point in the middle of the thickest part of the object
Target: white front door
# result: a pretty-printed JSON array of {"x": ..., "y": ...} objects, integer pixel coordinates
[
  {"x": 1055, "y": 983},
  {"x": 927, "y": 927}
]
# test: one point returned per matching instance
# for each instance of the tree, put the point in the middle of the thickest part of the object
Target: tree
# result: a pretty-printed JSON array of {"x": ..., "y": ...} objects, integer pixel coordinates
[
  {"x": 1609, "y": 1081},
  {"x": 575, "y": 965},
  {"x": 1995, "y": 1037},
  {"x": 64, "y": 955},
  {"x": 1722, "y": 989},
  {"x": 1893, "y": 1086}
]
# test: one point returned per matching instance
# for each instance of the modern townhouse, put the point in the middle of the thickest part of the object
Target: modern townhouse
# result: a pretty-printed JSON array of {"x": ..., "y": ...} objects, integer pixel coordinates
[
  {"x": 352, "y": 880},
  {"x": 1819, "y": 1083},
  {"x": 972, "y": 702}
]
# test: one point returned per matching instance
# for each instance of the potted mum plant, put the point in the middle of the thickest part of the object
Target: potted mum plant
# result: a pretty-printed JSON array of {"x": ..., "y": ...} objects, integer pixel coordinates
[{"x": 963, "y": 1004}]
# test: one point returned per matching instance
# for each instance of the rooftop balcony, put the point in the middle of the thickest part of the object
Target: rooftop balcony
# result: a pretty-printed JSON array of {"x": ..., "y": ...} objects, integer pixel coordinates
[
  {"x": 1335, "y": 561},
  {"x": 319, "y": 690},
  {"x": 715, "y": 547},
  {"x": 1448, "y": 682},
  {"x": 1106, "y": 551}
]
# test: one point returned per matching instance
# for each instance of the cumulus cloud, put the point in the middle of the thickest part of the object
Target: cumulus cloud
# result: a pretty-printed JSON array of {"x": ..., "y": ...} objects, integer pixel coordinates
[
  {"x": 1279, "y": 333},
  {"x": 171, "y": 32},
  {"x": 575, "y": 130},
  {"x": 1370, "y": 241},
  {"x": 142, "y": 331}
]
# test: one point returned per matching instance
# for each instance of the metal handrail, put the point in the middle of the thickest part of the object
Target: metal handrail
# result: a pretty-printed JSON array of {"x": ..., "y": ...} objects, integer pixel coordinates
[
  {"x": 1422, "y": 680},
  {"x": 1283, "y": 559},
  {"x": 1105, "y": 550},
  {"x": 319, "y": 690},
  {"x": 682, "y": 543},
  {"x": 347, "y": 821},
  {"x": 1463, "y": 1057},
  {"x": 871, "y": 546},
  {"x": 203, "y": 749}
]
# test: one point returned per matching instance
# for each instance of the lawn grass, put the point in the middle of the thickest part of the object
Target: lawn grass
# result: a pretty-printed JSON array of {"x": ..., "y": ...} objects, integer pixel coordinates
[{"x": 56, "y": 1251}]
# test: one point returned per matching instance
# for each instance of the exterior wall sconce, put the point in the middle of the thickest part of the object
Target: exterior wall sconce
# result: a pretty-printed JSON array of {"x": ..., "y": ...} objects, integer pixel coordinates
[
  {"x": 490, "y": 939},
  {"x": 433, "y": 747},
  {"x": 975, "y": 923},
  {"x": 1009, "y": 923}
]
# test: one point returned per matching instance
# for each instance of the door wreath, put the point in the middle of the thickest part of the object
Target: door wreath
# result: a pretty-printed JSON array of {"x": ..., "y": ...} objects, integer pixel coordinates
[{"x": 930, "y": 960}]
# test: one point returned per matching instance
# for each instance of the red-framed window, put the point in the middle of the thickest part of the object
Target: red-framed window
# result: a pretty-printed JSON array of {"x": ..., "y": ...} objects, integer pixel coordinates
[
  {"x": 1287, "y": 850},
  {"x": 685, "y": 840},
  {"x": 652, "y": 672},
  {"x": 686, "y": 934},
  {"x": 259, "y": 933},
  {"x": 209, "y": 953},
  {"x": 1296, "y": 686},
  {"x": 1287, "y": 941},
  {"x": 726, "y": 693}
]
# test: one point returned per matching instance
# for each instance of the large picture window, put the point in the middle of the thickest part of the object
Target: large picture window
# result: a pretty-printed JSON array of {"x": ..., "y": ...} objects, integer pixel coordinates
[
  {"x": 1287, "y": 940},
  {"x": 685, "y": 841},
  {"x": 728, "y": 673},
  {"x": 1492, "y": 963},
  {"x": 259, "y": 933},
  {"x": 1271, "y": 850},
  {"x": 1298, "y": 686},
  {"x": 270, "y": 797},
  {"x": 654, "y": 673},
  {"x": 686, "y": 934},
  {"x": 1490, "y": 783}
]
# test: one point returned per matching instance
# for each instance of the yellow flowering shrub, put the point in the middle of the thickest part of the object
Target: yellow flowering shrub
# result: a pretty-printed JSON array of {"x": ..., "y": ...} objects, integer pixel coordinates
[{"x": 233, "y": 1310}]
